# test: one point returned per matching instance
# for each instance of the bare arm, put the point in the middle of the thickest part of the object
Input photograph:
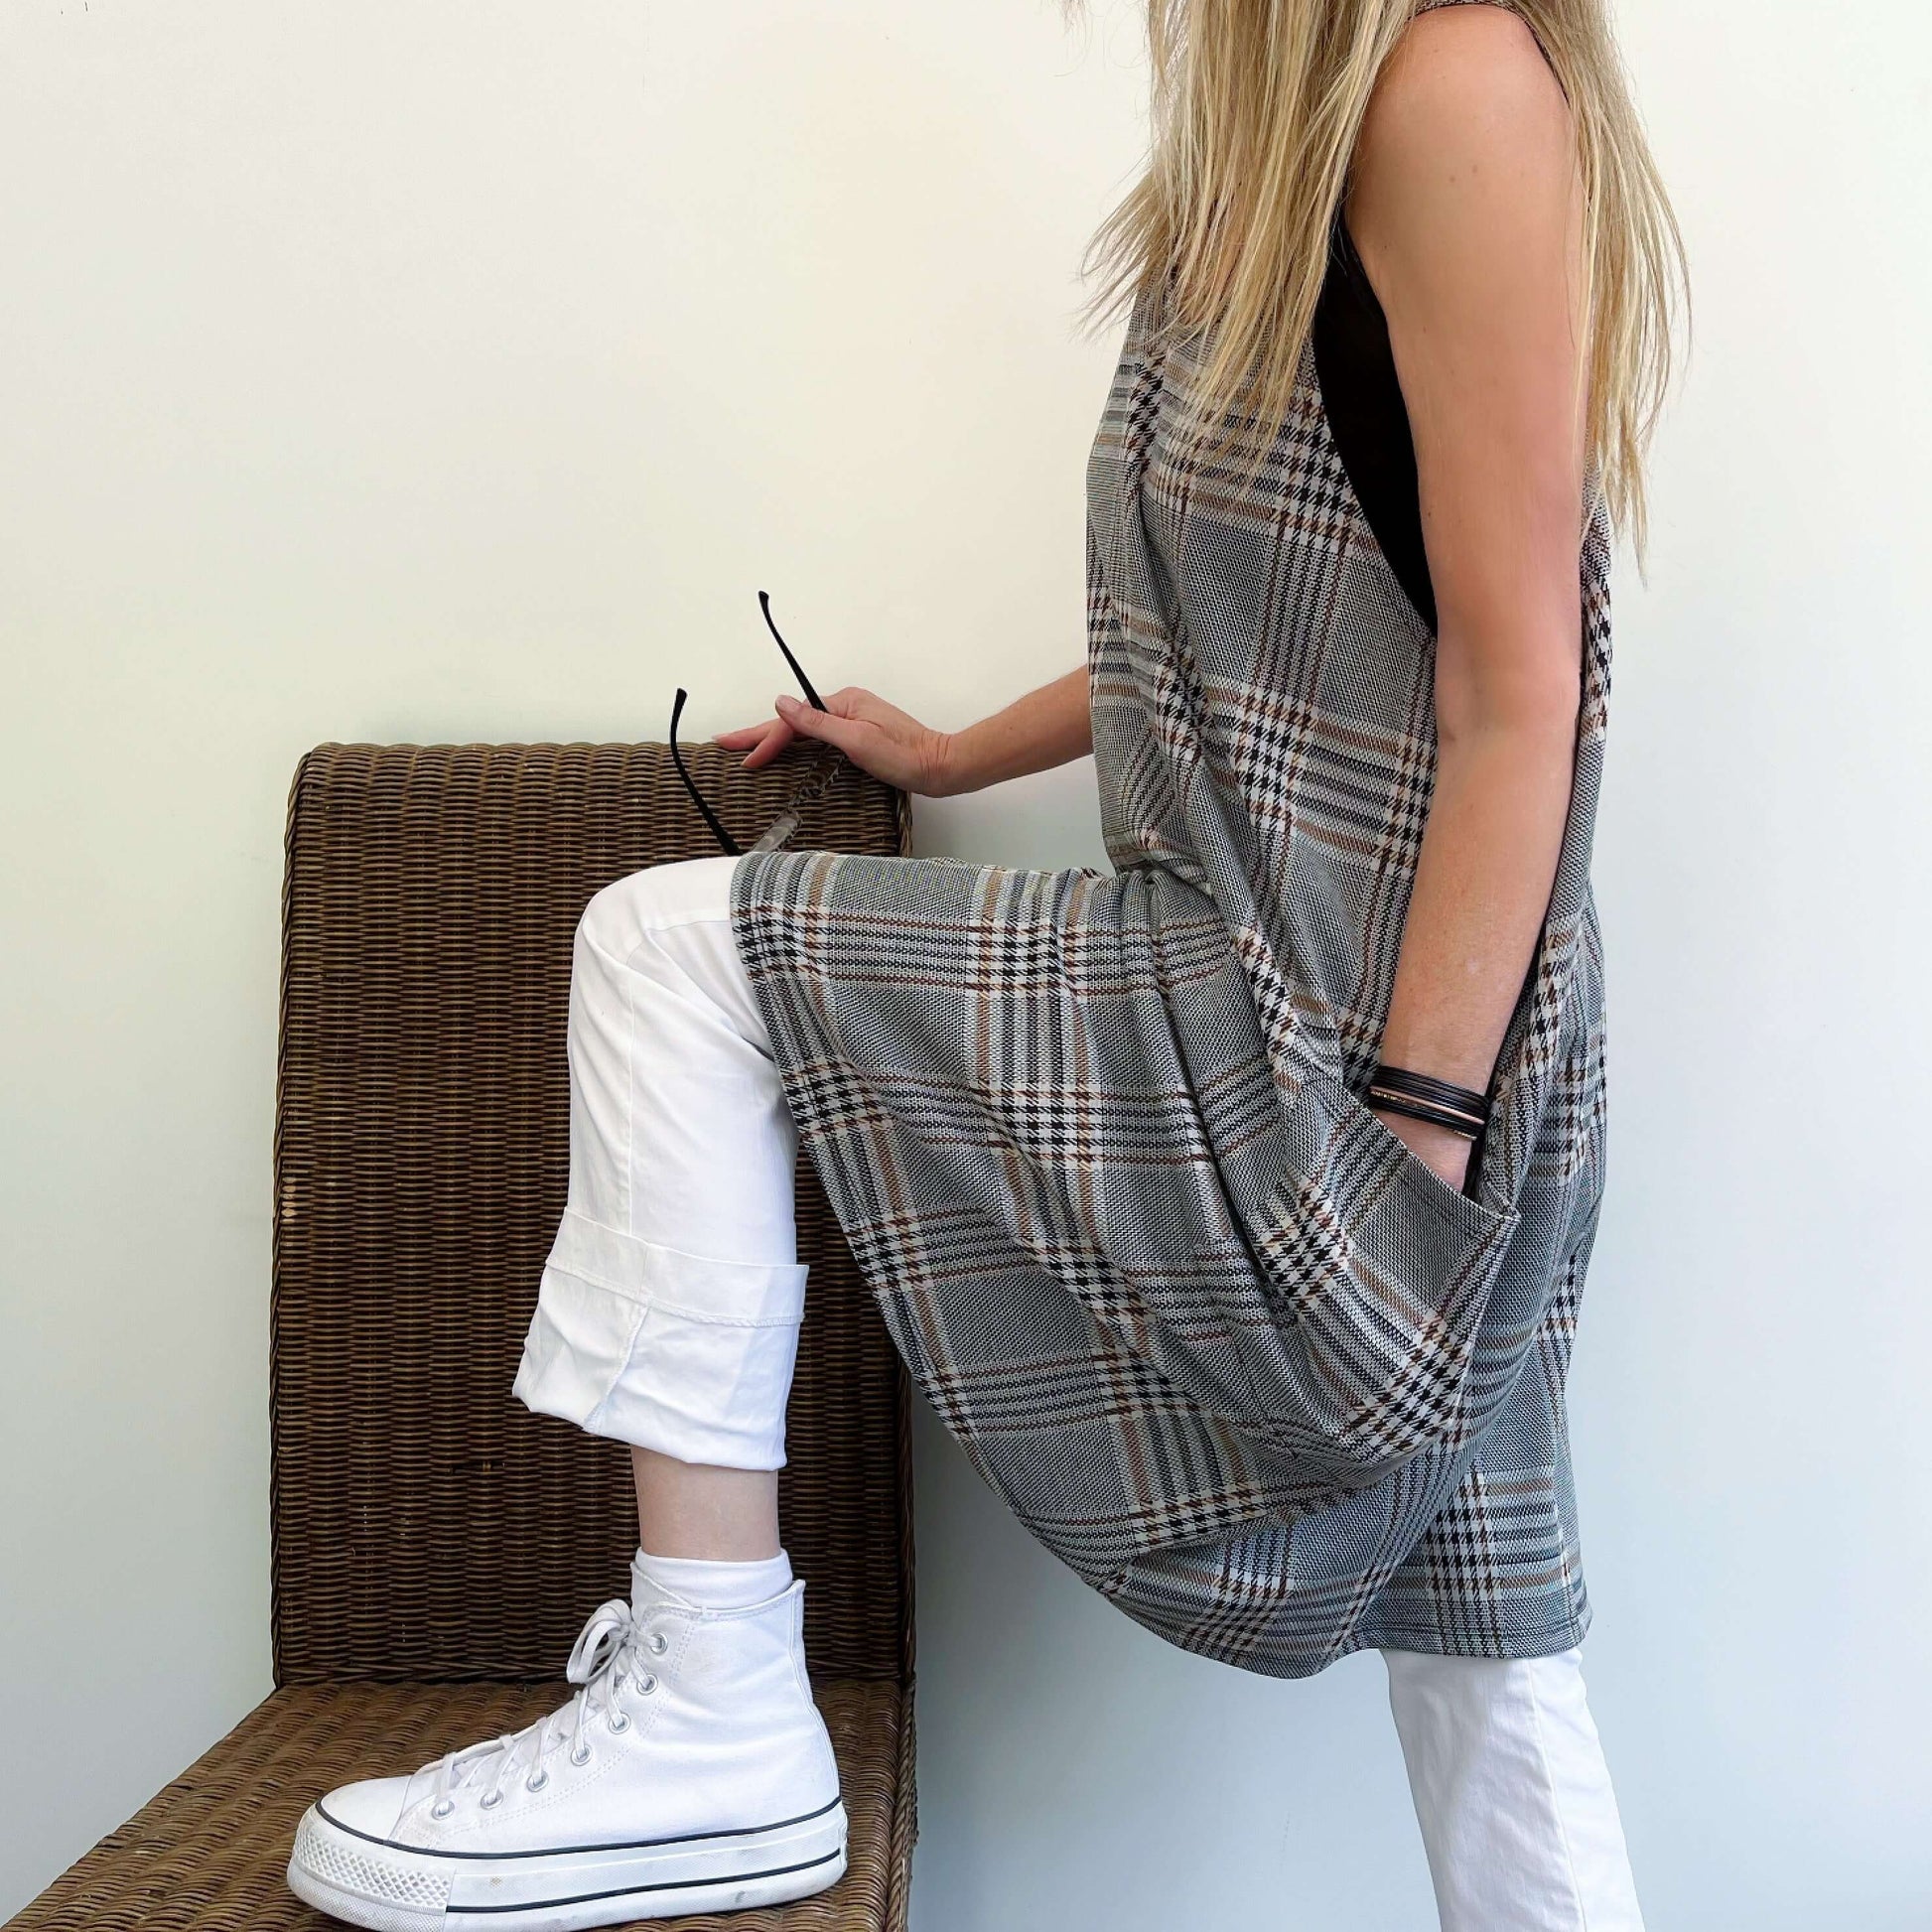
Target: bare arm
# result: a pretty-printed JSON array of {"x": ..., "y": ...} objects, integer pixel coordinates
[
  {"x": 1049, "y": 727},
  {"x": 1465, "y": 212}
]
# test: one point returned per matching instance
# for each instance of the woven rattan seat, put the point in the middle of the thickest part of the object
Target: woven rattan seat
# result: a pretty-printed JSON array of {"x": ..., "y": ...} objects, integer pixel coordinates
[{"x": 435, "y": 1546}]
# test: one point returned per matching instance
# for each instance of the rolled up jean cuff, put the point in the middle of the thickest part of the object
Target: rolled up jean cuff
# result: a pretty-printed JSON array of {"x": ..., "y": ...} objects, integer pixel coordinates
[{"x": 665, "y": 1350}]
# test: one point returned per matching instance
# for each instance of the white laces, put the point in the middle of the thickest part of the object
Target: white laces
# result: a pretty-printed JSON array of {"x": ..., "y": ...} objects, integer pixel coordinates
[{"x": 609, "y": 1644}]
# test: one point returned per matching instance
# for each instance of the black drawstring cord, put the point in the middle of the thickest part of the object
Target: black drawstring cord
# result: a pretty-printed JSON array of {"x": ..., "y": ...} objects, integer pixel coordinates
[{"x": 710, "y": 817}]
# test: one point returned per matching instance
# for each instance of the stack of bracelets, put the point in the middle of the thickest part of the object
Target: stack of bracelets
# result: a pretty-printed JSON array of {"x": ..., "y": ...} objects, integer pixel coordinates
[{"x": 1421, "y": 1097}]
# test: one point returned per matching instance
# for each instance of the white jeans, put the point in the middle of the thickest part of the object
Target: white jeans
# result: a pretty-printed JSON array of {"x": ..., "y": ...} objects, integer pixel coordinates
[{"x": 669, "y": 1317}]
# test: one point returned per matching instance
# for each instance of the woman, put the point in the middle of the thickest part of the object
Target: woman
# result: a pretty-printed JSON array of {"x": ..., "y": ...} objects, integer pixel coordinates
[{"x": 1232, "y": 1208}]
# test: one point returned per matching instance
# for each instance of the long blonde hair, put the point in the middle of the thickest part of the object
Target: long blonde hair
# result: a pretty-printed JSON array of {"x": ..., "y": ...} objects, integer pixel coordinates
[{"x": 1255, "y": 109}]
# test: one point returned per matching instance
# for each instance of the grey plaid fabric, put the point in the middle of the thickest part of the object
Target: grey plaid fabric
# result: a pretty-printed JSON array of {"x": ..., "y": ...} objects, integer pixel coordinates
[{"x": 1222, "y": 1342}]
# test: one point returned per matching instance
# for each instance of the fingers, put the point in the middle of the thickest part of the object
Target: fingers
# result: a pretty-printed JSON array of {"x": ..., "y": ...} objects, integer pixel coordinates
[
  {"x": 749, "y": 735},
  {"x": 765, "y": 740},
  {"x": 843, "y": 722},
  {"x": 844, "y": 733}
]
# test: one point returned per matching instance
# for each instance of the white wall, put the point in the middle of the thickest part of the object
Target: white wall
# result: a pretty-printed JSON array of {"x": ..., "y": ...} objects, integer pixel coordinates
[{"x": 448, "y": 369}]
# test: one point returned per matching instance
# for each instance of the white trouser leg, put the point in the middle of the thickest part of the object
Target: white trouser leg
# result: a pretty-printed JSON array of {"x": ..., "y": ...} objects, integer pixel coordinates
[
  {"x": 669, "y": 1309},
  {"x": 1512, "y": 1794}
]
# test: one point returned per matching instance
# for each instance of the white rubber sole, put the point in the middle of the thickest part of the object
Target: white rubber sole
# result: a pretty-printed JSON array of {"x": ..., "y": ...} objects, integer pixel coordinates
[{"x": 389, "y": 1887}]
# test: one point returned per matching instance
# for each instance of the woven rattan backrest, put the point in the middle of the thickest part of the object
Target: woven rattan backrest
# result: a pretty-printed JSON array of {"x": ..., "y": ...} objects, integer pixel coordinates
[{"x": 425, "y": 1524}]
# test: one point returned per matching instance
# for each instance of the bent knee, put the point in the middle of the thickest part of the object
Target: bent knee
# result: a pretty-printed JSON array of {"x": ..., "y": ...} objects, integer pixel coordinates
[{"x": 685, "y": 890}]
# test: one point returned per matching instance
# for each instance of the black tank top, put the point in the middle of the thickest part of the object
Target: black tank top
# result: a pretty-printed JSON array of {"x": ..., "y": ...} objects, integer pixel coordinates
[{"x": 1367, "y": 416}]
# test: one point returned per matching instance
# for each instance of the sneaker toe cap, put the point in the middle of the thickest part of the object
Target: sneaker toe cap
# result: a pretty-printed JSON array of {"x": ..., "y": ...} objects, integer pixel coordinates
[{"x": 371, "y": 1808}]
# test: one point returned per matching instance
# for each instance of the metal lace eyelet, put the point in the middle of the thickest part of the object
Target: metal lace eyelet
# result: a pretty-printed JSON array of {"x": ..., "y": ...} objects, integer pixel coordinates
[
  {"x": 581, "y": 1757},
  {"x": 619, "y": 1721},
  {"x": 442, "y": 1808},
  {"x": 536, "y": 1783},
  {"x": 659, "y": 1643},
  {"x": 647, "y": 1684},
  {"x": 492, "y": 1799}
]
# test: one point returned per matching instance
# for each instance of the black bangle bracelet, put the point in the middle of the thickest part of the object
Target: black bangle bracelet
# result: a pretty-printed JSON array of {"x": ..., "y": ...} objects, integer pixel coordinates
[
  {"x": 1422, "y": 1110},
  {"x": 1449, "y": 1105}
]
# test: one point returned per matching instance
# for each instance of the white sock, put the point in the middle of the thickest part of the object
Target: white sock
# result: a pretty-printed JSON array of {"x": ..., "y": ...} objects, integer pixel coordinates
[{"x": 715, "y": 1585}]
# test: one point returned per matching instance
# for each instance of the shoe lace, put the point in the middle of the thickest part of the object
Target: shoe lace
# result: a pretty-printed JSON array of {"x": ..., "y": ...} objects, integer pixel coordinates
[{"x": 611, "y": 1641}]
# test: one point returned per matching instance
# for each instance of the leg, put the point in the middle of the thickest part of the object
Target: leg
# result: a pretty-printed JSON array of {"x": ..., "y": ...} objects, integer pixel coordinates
[
  {"x": 669, "y": 1310},
  {"x": 1512, "y": 1794},
  {"x": 691, "y": 1772},
  {"x": 696, "y": 1510}
]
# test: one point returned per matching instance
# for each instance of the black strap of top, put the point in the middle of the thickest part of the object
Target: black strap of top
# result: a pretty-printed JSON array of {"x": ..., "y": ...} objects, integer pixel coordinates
[{"x": 1367, "y": 417}]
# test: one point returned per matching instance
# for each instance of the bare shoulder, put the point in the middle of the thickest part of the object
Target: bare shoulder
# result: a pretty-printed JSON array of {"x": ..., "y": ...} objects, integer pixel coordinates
[
  {"x": 1466, "y": 206},
  {"x": 1465, "y": 110}
]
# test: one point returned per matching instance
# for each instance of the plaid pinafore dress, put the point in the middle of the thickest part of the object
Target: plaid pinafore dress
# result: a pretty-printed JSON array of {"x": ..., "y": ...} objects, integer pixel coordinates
[{"x": 1222, "y": 1342}]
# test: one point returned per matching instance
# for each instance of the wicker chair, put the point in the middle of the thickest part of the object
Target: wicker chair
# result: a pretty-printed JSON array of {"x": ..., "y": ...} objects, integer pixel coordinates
[{"x": 435, "y": 1546}]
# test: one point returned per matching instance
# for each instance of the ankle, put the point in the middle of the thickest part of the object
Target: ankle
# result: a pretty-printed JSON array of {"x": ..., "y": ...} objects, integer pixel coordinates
[{"x": 694, "y": 1510}]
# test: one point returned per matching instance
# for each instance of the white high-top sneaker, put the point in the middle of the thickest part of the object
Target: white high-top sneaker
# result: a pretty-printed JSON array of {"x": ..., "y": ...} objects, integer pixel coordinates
[{"x": 690, "y": 1773}]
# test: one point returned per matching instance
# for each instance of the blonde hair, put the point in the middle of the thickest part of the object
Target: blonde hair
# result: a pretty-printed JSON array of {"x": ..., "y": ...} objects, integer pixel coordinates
[{"x": 1255, "y": 109}]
